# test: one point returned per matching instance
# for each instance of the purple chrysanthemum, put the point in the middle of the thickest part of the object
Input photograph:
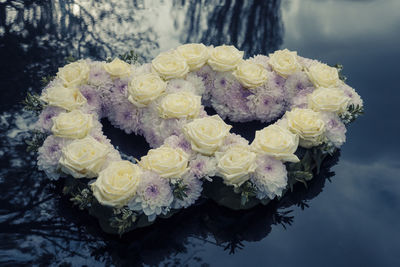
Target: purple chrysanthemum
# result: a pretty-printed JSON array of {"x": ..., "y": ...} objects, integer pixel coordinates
[
  {"x": 270, "y": 177},
  {"x": 126, "y": 117},
  {"x": 45, "y": 121},
  {"x": 153, "y": 196},
  {"x": 203, "y": 166},
  {"x": 335, "y": 130},
  {"x": 93, "y": 99},
  {"x": 193, "y": 192},
  {"x": 49, "y": 154},
  {"x": 98, "y": 76},
  {"x": 296, "y": 83}
]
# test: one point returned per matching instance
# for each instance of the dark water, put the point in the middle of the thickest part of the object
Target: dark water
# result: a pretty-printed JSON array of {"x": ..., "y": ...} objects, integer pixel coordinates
[{"x": 351, "y": 221}]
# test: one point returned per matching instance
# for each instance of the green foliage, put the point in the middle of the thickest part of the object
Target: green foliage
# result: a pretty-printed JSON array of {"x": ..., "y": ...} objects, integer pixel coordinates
[
  {"x": 247, "y": 191},
  {"x": 32, "y": 102},
  {"x": 70, "y": 59},
  {"x": 340, "y": 71},
  {"x": 130, "y": 57},
  {"x": 179, "y": 189},
  {"x": 47, "y": 79},
  {"x": 36, "y": 141},
  {"x": 122, "y": 219},
  {"x": 82, "y": 198},
  {"x": 353, "y": 112}
]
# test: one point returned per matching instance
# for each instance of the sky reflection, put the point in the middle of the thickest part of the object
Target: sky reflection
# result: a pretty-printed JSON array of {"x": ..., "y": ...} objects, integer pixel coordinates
[{"x": 352, "y": 222}]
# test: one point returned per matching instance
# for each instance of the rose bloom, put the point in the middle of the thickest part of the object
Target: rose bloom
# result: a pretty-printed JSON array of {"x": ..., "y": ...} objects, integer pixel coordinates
[
  {"x": 118, "y": 68},
  {"x": 277, "y": 142},
  {"x": 63, "y": 97},
  {"x": 170, "y": 65},
  {"x": 236, "y": 164},
  {"x": 145, "y": 88},
  {"x": 284, "y": 62},
  {"x": 74, "y": 74},
  {"x": 308, "y": 124},
  {"x": 180, "y": 105},
  {"x": 224, "y": 58},
  {"x": 328, "y": 99},
  {"x": 74, "y": 124},
  {"x": 166, "y": 161},
  {"x": 117, "y": 183},
  {"x": 250, "y": 75},
  {"x": 196, "y": 55},
  {"x": 83, "y": 157},
  {"x": 206, "y": 134},
  {"x": 321, "y": 75}
]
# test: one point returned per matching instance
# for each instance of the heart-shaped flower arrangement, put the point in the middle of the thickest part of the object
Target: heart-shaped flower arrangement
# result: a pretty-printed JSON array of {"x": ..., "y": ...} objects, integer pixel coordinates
[{"x": 193, "y": 154}]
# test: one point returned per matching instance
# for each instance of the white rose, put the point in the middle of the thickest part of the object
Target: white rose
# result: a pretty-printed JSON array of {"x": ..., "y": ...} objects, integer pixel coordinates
[
  {"x": 236, "y": 164},
  {"x": 74, "y": 74},
  {"x": 308, "y": 124},
  {"x": 180, "y": 105},
  {"x": 328, "y": 99},
  {"x": 284, "y": 62},
  {"x": 74, "y": 124},
  {"x": 250, "y": 75},
  {"x": 225, "y": 58},
  {"x": 118, "y": 68},
  {"x": 196, "y": 55},
  {"x": 321, "y": 75},
  {"x": 64, "y": 97},
  {"x": 145, "y": 88},
  {"x": 276, "y": 142},
  {"x": 117, "y": 183},
  {"x": 166, "y": 161},
  {"x": 83, "y": 157},
  {"x": 206, "y": 134},
  {"x": 170, "y": 65}
]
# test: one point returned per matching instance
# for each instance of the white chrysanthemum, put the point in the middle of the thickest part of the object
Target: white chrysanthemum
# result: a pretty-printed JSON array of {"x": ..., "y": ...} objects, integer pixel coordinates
[
  {"x": 153, "y": 196},
  {"x": 270, "y": 177},
  {"x": 193, "y": 192}
]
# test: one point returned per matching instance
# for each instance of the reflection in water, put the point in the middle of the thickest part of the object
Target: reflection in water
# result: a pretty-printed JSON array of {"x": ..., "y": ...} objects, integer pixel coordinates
[
  {"x": 42, "y": 227},
  {"x": 252, "y": 26},
  {"x": 37, "y": 224}
]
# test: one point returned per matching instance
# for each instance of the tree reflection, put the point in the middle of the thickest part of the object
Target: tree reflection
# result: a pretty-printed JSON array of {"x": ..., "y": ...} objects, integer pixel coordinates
[{"x": 253, "y": 26}]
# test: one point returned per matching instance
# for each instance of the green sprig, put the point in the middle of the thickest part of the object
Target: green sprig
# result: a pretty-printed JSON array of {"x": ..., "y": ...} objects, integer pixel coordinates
[
  {"x": 83, "y": 198},
  {"x": 36, "y": 141},
  {"x": 122, "y": 219},
  {"x": 352, "y": 113},
  {"x": 247, "y": 191},
  {"x": 130, "y": 57},
  {"x": 32, "y": 102},
  {"x": 179, "y": 190}
]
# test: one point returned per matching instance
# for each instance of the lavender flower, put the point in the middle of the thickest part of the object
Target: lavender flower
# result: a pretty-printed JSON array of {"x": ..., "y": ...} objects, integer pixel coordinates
[
  {"x": 296, "y": 83},
  {"x": 270, "y": 177},
  {"x": 98, "y": 76},
  {"x": 203, "y": 166},
  {"x": 49, "y": 155},
  {"x": 93, "y": 99},
  {"x": 126, "y": 117},
  {"x": 335, "y": 130},
  {"x": 45, "y": 121},
  {"x": 153, "y": 196}
]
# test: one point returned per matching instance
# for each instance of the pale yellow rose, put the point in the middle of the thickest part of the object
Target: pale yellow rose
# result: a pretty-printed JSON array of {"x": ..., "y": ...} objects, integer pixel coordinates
[
  {"x": 321, "y": 75},
  {"x": 118, "y": 68},
  {"x": 83, "y": 157},
  {"x": 180, "y": 105},
  {"x": 170, "y": 65},
  {"x": 196, "y": 55},
  {"x": 250, "y": 75},
  {"x": 284, "y": 62},
  {"x": 308, "y": 124},
  {"x": 168, "y": 162},
  {"x": 236, "y": 164},
  {"x": 74, "y": 124},
  {"x": 117, "y": 183},
  {"x": 145, "y": 88},
  {"x": 206, "y": 134},
  {"x": 225, "y": 58},
  {"x": 64, "y": 97},
  {"x": 74, "y": 74},
  {"x": 277, "y": 142},
  {"x": 328, "y": 99}
]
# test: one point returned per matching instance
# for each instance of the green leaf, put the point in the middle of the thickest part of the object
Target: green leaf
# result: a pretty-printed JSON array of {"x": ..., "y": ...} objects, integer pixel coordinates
[{"x": 129, "y": 57}]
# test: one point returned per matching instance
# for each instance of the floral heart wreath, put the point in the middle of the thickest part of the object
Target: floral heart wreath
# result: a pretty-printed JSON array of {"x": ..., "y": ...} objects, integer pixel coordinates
[{"x": 164, "y": 101}]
